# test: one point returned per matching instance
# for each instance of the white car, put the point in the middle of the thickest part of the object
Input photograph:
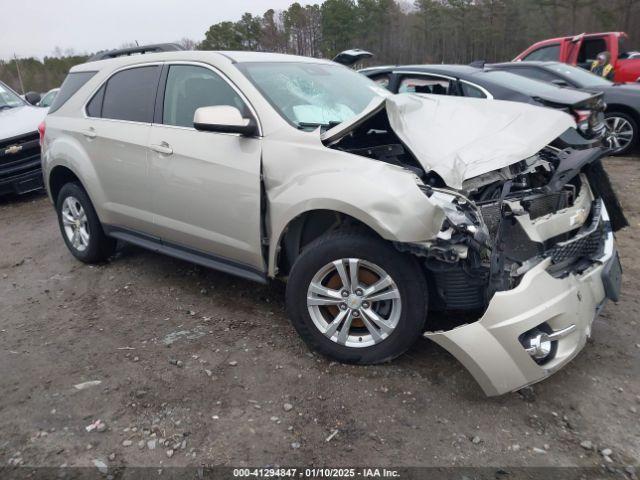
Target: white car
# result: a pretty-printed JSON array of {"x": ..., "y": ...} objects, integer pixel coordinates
[
  {"x": 482, "y": 225},
  {"x": 20, "y": 166}
]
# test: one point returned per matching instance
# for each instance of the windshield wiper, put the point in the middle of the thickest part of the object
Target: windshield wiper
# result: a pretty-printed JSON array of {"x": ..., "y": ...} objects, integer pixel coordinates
[
  {"x": 6, "y": 106},
  {"x": 331, "y": 124}
]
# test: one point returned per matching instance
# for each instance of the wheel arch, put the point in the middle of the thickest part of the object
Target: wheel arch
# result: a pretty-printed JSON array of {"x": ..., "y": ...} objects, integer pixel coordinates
[
  {"x": 58, "y": 177},
  {"x": 305, "y": 226},
  {"x": 618, "y": 107}
]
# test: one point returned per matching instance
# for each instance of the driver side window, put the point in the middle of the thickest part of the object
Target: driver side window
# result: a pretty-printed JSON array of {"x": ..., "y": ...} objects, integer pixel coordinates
[{"x": 190, "y": 87}]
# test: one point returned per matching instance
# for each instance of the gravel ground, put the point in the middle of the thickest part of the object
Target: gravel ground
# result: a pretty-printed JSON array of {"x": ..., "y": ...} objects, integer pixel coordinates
[{"x": 197, "y": 366}]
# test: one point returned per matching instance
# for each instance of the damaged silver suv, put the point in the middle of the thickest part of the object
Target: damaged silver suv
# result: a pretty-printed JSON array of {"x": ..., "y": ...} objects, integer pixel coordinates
[{"x": 485, "y": 227}]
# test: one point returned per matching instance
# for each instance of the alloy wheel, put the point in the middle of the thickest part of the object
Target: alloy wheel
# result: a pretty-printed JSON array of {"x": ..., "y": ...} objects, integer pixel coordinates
[
  {"x": 74, "y": 221},
  {"x": 354, "y": 302},
  {"x": 619, "y": 133}
]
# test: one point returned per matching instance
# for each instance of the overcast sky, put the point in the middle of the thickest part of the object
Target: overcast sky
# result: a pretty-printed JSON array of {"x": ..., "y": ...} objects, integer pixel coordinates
[{"x": 36, "y": 27}]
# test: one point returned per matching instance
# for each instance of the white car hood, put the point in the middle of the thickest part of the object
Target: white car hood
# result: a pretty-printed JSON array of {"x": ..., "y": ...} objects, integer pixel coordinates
[
  {"x": 461, "y": 138},
  {"x": 20, "y": 120}
]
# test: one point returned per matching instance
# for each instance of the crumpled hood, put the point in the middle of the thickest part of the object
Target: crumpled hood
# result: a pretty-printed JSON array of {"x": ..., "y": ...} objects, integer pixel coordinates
[
  {"x": 20, "y": 120},
  {"x": 461, "y": 138}
]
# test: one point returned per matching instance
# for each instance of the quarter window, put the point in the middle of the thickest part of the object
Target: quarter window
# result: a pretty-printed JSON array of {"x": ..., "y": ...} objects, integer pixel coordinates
[
  {"x": 69, "y": 87},
  {"x": 471, "y": 91},
  {"x": 190, "y": 87},
  {"x": 130, "y": 94},
  {"x": 94, "y": 107}
]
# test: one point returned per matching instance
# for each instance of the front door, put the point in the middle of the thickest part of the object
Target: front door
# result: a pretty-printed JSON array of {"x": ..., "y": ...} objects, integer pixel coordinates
[{"x": 206, "y": 185}]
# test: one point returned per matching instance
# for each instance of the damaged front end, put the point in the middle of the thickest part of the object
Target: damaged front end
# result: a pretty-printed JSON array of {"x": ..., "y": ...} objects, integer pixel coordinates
[
  {"x": 524, "y": 262},
  {"x": 525, "y": 257}
]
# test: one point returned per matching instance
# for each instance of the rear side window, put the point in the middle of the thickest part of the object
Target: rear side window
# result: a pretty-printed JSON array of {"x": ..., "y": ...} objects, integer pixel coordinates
[
  {"x": 548, "y": 53},
  {"x": 71, "y": 85},
  {"x": 130, "y": 94}
]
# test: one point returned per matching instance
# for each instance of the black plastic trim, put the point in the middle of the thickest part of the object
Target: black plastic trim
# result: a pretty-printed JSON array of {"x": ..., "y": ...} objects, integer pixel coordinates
[{"x": 208, "y": 260}]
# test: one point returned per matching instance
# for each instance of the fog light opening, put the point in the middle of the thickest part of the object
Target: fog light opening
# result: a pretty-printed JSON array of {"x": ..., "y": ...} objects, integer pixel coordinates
[{"x": 538, "y": 344}]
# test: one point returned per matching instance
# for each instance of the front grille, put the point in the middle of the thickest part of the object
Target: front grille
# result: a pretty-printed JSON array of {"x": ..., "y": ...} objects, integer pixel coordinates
[
  {"x": 587, "y": 243},
  {"x": 19, "y": 155},
  {"x": 546, "y": 204}
]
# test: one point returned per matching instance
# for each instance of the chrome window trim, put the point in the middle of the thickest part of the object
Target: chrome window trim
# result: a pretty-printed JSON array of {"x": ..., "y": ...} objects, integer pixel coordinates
[
  {"x": 169, "y": 63},
  {"x": 447, "y": 77},
  {"x": 413, "y": 72},
  {"x": 482, "y": 89}
]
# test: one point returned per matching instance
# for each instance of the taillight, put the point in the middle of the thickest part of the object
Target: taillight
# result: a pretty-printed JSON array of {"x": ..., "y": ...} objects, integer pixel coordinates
[
  {"x": 581, "y": 115},
  {"x": 41, "y": 129}
]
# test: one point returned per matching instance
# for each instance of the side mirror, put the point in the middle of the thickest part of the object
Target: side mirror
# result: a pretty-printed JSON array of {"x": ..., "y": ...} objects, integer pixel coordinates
[
  {"x": 32, "y": 97},
  {"x": 559, "y": 82},
  {"x": 223, "y": 119}
]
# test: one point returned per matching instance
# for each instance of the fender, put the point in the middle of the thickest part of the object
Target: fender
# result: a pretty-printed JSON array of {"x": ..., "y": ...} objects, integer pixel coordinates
[{"x": 305, "y": 175}]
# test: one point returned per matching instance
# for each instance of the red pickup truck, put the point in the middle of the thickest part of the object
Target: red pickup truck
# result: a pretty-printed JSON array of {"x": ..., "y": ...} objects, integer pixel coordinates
[{"x": 582, "y": 50}]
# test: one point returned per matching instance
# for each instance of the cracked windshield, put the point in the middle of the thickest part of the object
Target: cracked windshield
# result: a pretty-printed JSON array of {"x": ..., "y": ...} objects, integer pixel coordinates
[{"x": 313, "y": 95}]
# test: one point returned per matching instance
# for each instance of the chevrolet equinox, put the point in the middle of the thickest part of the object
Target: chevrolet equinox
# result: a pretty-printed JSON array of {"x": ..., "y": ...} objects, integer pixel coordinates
[{"x": 486, "y": 227}]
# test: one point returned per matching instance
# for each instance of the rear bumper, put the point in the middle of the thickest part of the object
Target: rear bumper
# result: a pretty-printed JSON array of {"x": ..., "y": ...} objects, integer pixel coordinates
[
  {"x": 490, "y": 348},
  {"x": 22, "y": 183}
]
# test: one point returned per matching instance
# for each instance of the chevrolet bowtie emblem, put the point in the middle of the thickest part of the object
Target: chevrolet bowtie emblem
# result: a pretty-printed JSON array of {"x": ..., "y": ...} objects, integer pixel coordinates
[{"x": 12, "y": 149}]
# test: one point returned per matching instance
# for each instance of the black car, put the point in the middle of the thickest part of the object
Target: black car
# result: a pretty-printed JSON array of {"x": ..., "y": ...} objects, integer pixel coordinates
[
  {"x": 468, "y": 81},
  {"x": 622, "y": 114}
]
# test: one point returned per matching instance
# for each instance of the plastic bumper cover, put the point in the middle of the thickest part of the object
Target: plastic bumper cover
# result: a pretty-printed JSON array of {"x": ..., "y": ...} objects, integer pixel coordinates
[{"x": 490, "y": 349}]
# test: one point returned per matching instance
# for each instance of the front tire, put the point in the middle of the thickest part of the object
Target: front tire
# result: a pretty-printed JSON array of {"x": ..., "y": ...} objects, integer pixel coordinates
[
  {"x": 356, "y": 299},
  {"x": 622, "y": 132},
  {"x": 80, "y": 226}
]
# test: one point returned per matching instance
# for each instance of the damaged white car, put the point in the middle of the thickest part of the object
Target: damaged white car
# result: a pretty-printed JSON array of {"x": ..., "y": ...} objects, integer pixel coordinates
[{"x": 486, "y": 227}]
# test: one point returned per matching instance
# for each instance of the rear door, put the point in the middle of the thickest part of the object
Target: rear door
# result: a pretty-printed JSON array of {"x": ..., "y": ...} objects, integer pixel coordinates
[
  {"x": 206, "y": 185},
  {"x": 119, "y": 117}
]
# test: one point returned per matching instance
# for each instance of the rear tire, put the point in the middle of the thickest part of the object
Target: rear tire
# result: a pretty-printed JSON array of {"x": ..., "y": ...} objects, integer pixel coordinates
[
  {"x": 389, "y": 318},
  {"x": 621, "y": 127},
  {"x": 80, "y": 226}
]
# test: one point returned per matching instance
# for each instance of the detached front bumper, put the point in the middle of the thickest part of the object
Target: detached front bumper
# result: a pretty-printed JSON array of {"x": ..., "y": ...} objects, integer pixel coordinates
[{"x": 490, "y": 348}]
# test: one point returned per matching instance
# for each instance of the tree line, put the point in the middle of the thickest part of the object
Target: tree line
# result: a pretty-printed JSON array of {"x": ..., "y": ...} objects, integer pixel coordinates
[{"x": 397, "y": 32}]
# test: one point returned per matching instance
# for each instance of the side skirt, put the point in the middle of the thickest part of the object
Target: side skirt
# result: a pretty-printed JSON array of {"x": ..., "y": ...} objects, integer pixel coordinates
[{"x": 214, "y": 262}]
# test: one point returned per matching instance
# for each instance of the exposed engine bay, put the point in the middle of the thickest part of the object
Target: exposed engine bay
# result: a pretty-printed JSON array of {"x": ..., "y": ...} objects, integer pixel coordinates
[{"x": 503, "y": 223}]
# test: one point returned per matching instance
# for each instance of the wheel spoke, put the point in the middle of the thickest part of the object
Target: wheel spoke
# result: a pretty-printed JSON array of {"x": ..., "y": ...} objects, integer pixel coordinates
[
  {"x": 75, "y": 240},
  {"x": 388, "y": 295},
  {"x": 379, "y": 285},
  {"x": 84, "y": 236},
  {"x": 343, "y": 274},
  {"x": 74, "y": 209},
  {"x": 616, "y": 142},
  {"x": 616, "y": 122},
  {"x": 375, "y": 334},
  {"x": 344, "y": 331},
  {"x": 354, "y": 265},
  {"x": 67, "y": 219},
  {"x": 333, "y": 326},
  {"x": 379, "y": 322},
  {"x": 324, "y": 291}
]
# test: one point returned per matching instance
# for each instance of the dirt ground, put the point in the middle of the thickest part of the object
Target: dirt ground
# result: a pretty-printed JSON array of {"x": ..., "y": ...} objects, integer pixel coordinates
[{"x": 207, "y": 365}]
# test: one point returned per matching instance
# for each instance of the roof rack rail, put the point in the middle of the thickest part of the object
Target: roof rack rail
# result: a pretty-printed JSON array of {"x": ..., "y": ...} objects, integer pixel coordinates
[{"x": 123, "y": 52}]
